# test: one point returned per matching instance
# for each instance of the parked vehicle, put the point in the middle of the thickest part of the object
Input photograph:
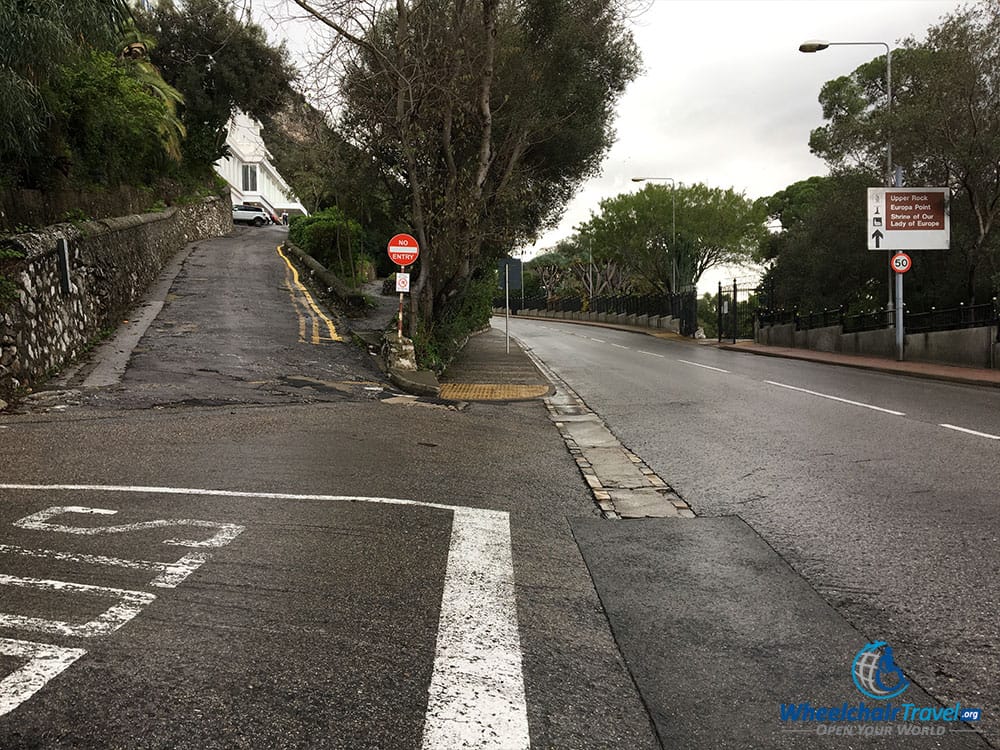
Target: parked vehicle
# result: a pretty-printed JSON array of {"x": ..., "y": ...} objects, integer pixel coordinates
[{"x": 252, "y": 215}]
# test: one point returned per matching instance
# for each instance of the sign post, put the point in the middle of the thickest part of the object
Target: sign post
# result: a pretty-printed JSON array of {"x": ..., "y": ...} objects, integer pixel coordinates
[
  {"x": 907, "y": 219},
  {"x": 403, "y": 250},
  {"x": 510, "y": 277}
]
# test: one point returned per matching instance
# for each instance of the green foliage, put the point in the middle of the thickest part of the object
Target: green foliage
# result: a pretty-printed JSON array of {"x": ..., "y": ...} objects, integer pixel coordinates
[
  {"x": 437, "y": 343},
  {"x": 109, "y": 123},
  {"x": 944, "y": 129},
  {"x": 220, "y": 63},
  {"x": 708, "y": 314},
  {"x": 487, "y": 114},
  {"x": 663, "y": 232},
  {"x": 38, "y": 38},
  {"x": 332, "y": 239}
]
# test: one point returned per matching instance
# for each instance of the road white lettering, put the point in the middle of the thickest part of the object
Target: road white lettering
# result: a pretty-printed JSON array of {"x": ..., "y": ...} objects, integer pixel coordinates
[
  {"x": 171, "y": 574},
  {"x": 40, "y": 522},
  {"x": 130, "y": 603},
  {"x": 476, "y": 697},
  {"x": 707, "y": 367},
  {"x": 837, "y": 398},
  {"x": 44, "y": 663},
  {"x": 971, "y": 432}
]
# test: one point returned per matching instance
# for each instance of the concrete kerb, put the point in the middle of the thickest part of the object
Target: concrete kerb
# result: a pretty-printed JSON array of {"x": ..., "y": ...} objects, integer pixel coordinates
[{"x": 888, "y": 367}]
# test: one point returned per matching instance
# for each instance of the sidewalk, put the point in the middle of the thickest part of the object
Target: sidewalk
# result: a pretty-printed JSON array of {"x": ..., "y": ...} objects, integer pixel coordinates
[
  {"x": 929, "y": 370},
  {"x": 486, "y": 371}
]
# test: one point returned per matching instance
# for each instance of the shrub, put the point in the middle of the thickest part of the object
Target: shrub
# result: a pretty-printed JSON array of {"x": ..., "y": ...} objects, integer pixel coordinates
[
  {"x": 332, "y": 239},
  {"x": 437, "y": 344}
]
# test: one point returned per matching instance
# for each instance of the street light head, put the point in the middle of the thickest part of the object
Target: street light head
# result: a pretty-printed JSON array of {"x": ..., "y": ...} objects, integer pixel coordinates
[
  {"x": 638, "y": 179},
  {"x": 814, "y": 45}
]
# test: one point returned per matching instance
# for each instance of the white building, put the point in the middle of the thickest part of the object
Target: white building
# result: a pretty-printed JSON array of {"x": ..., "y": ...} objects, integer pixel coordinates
[{"x": 252, "y": 178}]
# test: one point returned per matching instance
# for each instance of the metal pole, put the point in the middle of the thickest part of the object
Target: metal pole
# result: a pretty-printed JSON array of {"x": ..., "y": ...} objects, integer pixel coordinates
[
  {"x": 734, "y": 311},
  {"x": 673, "y": 233},
  {"x": 506, "y": 288},
  {"x": 399, "y": 329},
  {"x": 900, "y": 333},
  {"x": 718, "y": 312}
]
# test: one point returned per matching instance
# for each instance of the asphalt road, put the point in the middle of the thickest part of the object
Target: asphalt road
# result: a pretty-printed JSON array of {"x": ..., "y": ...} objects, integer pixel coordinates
[
  {"x": 244, "y": 538},
  {"x": 866, "y": 484}
]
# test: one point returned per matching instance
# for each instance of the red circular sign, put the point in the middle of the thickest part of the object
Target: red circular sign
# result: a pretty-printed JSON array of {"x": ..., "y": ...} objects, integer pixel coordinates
[
  {"x": 403, "y": 249},
  {"x": 901, "y": 263}
]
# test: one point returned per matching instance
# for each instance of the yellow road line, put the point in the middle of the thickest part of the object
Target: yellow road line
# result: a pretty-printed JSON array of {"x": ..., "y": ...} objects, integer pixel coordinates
[{"x": 316, "y": 314}]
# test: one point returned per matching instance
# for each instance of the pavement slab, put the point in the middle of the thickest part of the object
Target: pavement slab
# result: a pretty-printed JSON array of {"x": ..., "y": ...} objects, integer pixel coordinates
[{"x": 718, "y": 631}]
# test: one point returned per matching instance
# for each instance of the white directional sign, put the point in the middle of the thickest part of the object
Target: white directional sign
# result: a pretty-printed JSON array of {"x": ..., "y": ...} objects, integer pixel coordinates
[{"x": 908, "y": 219}]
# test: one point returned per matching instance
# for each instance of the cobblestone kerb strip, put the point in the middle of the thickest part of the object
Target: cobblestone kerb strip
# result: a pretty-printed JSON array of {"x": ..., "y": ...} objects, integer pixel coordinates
[{"x": 623, "y": 486}]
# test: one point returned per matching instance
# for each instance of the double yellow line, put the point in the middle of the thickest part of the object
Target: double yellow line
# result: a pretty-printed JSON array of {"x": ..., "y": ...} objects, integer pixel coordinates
[{"x": 310, "y": 316}]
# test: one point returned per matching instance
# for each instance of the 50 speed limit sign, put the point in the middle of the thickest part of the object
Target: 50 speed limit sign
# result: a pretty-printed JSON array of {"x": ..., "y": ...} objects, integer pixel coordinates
[{"x": 900, "y": 263}]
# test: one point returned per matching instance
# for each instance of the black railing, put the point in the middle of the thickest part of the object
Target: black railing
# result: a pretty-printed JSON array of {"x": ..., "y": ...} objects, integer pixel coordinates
[
  {"x": 683, "y": 306},
  {"x": 948, "y": 319},
  {"x": 963, "y": 316}
]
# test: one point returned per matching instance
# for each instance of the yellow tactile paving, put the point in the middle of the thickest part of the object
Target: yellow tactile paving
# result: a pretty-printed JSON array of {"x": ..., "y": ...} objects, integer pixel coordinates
[{"x": 492, "y": 391}]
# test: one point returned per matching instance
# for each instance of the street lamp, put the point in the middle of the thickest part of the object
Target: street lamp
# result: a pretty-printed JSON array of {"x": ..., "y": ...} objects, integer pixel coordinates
[
  {"x": 673, "y": 225},
  {"x": 818, "y": 45}
]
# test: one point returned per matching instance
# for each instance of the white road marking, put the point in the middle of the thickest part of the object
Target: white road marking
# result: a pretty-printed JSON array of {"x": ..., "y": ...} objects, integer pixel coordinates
[
  {"x": 652, "y": 354},
  {"x": 171, "y": 574},
  {"x": 837, "y": 398},
  {"x": 44, "y": 663},
  {"x": 599, "y": 341},
  {"x": 39, "y": 522},
  {"x": 971, "y": 432},
  {"x": 707, "y": 367},
  {"x": 130, "y": 603},
  {"x": 619, "y": 346},
  {"x": 476, "y": 697}
]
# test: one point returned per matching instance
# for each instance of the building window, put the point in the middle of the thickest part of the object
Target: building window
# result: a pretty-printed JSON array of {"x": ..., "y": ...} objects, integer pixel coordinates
[{"x": 250, "y": 178}]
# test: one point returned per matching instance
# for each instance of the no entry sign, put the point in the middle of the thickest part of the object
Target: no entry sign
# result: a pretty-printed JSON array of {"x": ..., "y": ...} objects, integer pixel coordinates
[{"x": 403, "y": 249}]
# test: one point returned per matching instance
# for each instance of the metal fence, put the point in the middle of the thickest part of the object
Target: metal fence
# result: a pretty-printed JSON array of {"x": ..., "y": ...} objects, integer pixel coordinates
[
  {"x": 736, "y": 309},
  {"x": 683, "y": 306},
  {"x": 948, "y": 319}
]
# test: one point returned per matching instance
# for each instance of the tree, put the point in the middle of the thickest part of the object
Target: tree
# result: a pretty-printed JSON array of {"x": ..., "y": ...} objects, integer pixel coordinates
[
  {"x": 713, "y": 226},
  {"x": 819, "y": 259},
  {"x": 488, "y": 113},
  {"x": 37, "y": 39},
  {"x": 945, "y": 127},
  {"x": 220, "y": 64}
]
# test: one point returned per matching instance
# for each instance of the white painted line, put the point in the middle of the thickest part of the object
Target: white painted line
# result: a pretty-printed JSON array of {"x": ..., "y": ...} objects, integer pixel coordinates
[
  {"x": 707, "y": 367},
  {"x": 620, "y": 346},
  {"x": 971, "y": 432},
  {"x": 599, "y": 341},
  {"x": 837, "y": 398},
  {"x": 476, "y": 697},
  {"x": 652, "y": 354},
  {"x": 44, "y": 663},
  {"x": 171, "y": 574},
  {"x": 129, "y": 605},
  {"x": 39, "y": 522},
  {"x": 139, "y": 489}
]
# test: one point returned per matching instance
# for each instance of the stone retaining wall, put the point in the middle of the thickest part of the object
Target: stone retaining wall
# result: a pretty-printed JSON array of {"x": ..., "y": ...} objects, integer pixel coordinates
[{"x": 111, "y": 263}]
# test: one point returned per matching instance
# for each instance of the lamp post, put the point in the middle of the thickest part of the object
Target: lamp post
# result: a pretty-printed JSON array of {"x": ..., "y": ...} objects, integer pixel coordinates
[
  {"x": 673, "y": 225},
  {"x": 818, "y": 45}
]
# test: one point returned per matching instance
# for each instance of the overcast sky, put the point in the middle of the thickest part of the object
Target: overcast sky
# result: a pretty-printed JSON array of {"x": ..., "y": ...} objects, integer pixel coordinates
[{"x": 725, "y": 97}]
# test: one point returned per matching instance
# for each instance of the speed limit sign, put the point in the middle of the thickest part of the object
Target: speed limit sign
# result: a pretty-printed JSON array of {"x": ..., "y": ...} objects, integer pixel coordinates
[{"x": 900, "y": 262}]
